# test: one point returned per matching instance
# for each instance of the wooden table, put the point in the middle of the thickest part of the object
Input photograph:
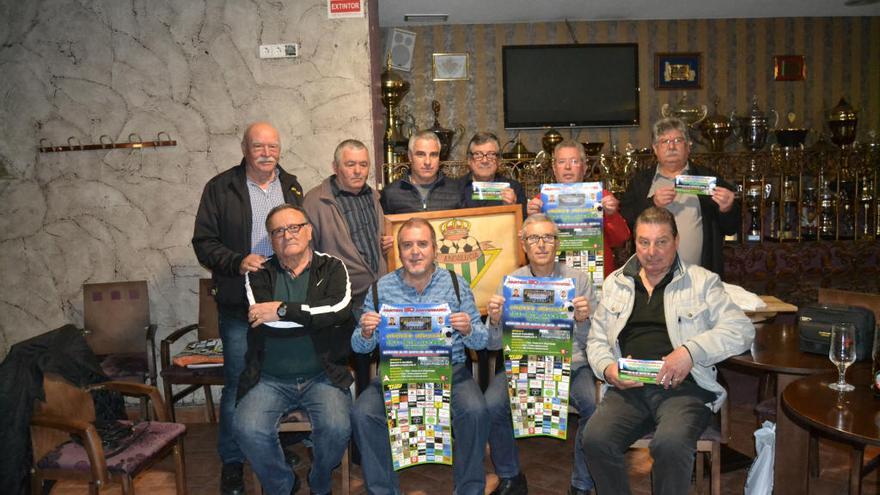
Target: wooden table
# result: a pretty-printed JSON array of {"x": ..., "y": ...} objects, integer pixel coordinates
[
  {"x": 775, "y": 350},
  {"x": 849, "y": 417}
]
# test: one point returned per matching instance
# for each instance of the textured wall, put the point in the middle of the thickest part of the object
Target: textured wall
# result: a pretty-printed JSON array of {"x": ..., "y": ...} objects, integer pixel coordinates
[
  {"x": 842, "y": 57},
  {"x": 187, "y": 67}
]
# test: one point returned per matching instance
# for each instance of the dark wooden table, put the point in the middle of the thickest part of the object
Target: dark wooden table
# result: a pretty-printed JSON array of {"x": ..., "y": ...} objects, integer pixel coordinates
[
  {"x": 775, "y": 350},
  {"x": 849, "y": 417}
]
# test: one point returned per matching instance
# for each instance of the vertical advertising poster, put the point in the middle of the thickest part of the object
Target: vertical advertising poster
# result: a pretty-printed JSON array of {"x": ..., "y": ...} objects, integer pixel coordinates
[
  {"x": 415, "y": 367},
  {"x": 538, "y": 321},
  {"x": 577, "y": 210}
]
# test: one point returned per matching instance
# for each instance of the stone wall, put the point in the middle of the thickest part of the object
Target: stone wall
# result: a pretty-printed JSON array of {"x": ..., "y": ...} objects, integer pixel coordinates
[{"x": 115, "y": 68}]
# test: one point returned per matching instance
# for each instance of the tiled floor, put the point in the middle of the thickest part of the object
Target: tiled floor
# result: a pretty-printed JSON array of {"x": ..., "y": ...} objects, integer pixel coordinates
[{"x": 546, "y": 463}]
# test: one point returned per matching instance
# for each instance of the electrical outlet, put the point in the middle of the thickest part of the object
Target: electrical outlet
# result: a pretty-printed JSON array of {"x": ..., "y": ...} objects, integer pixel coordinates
[{"x": 283, "y": 50}]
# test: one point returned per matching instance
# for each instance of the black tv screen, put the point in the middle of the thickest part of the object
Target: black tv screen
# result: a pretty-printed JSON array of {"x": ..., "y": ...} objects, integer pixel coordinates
[{"x": 592, "y": 85}]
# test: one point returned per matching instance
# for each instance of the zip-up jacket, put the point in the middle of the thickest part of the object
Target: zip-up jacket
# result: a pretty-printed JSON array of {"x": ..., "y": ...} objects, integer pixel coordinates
[
  {"x": 325, "y": 317},
  {"x": 401, "y": 196},
  {"x": 699, "y": 315},
  {"x": 222, "y": 234}
]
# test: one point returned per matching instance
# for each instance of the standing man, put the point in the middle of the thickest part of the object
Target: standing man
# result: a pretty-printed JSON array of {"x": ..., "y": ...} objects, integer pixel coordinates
[
  {"x": 703, "y": 220},
  {"x": 420, "y": 281},
  {"x": 425, "y": 188},
  {"x": 300, "y": 313},
  {"x": 539, "y": 240},
  {"x": 569, "y": 167},
  {"x": 483, "y": 153},
  {"x": 347, "y": 222},
  {"x": 230, "y": 240},
  {"x": 659, "y": 307}
]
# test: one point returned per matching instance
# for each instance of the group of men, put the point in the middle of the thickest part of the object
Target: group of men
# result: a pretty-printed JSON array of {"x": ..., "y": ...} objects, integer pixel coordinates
[{"x": 295, "y": 277}]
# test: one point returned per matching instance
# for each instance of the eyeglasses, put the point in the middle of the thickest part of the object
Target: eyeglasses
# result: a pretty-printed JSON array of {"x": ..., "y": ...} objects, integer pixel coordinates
[
  {"x": 531, "y": 240},
  {"x": 479, "y": 155},
  {"x": 293, "y": 228},
  {"x": 667, "y": 142}
]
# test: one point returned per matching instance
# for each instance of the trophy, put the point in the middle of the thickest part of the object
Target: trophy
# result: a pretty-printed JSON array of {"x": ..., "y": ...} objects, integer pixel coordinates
[
  {"x": 866, "y": 198},
  {"x": 550, "y": 140},
  {"x": 754, "y": 127},
  {"x": 684, "y": 111},
  {"x": 448, "y": 137},
  {"x": 394, "y": 88},
  {"x": 715, "y": 130},
  {"x": 753, "y": 202},
  {"x": 842, "y": 121},
  {"x": 789, "y": 209},
  {"x": 791, "y": 137},
  {"x": 809, "y": 227},
  {"x": 616, "y": 167},
  {"x": 826, "y": 210}
]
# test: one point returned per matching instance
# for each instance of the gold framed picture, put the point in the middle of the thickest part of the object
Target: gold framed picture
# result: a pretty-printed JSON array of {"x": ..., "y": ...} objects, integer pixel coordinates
[
  {"x": 480, "y": 244},
  {"x": 677, "y": 71},
  {"x": 450, "y": 67},
  {"x": 789, "y": 68}
]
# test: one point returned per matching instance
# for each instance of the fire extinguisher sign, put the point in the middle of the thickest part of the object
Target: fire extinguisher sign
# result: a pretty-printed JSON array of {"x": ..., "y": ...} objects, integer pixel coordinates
[{"x": 338, "y": 9}]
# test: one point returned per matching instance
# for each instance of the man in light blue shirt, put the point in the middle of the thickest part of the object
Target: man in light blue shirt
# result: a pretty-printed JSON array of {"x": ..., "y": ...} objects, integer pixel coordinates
[{"x": 420, "y": 281}]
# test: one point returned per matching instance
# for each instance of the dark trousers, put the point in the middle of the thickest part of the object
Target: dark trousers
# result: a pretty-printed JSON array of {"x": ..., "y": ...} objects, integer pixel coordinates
[{"x": 677, "y": 417}]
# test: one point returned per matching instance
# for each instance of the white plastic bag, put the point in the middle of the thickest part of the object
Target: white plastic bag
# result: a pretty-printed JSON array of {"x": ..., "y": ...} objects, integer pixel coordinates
[{"x": 760, "y": 479}]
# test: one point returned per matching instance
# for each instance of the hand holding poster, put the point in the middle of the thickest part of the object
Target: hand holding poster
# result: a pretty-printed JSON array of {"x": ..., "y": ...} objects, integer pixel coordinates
[
  {"x": 577, "y": 210},
  {"x": 537, "y": 334},
  {"x": 415, "y": 367}
]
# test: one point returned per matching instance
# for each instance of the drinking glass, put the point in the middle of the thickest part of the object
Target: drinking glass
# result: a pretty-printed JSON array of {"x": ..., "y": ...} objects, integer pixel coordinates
[{"x": 842, "y": 353}]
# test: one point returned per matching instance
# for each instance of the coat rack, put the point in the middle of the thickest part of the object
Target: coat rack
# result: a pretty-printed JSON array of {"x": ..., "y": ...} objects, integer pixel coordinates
[{"x": 105, "y": 142}]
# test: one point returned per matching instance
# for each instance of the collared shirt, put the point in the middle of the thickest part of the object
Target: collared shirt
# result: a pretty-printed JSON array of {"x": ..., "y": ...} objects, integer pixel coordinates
[
  {"x": 688, "y": 217},
  {"x": 359, "y": 213},
  {"x": 262, "y": 202},
  {"x": 393, "y": 290}
]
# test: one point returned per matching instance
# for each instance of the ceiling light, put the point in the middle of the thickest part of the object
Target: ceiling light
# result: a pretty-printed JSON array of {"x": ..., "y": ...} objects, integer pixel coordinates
[{"x": 425, "y": 17}]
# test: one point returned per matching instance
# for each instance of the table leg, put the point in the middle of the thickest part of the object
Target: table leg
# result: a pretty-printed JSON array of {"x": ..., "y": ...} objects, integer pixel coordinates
[
  {"x": 792, "y": 444},
  {"x": 856, "y": 458}
]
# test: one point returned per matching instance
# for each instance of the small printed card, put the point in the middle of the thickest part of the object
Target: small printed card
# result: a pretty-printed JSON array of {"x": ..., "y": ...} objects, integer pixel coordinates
[
  {"x": 488, "y": 190},
  {"x": 201, "y": 354},
  {"x": 638, "y": 370},
  {"x": 695, "y": 184}
]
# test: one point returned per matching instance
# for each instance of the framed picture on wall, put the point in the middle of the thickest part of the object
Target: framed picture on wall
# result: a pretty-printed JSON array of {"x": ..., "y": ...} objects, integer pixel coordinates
[
  {"x": 677, "y": 71},
  {"x": 789, "y": 68},
  {"x": 450, "y": 67}
]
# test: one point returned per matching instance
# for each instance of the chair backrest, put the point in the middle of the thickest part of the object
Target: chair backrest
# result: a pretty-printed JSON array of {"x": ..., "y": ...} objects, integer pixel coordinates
[
  {"x": 62, "y": 399},
  {"x": 863, "y": 299},
  {"x": 209, "y": 326},
  {"x": 116, "y": 315}
]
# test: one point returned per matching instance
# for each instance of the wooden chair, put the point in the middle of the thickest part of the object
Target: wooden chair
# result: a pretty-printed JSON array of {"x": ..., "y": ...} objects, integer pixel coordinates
[
  {"x": 117, "y": 327},
  {"x": 708, "y": 446},
  {"x": 206, "y": 328},
  {"x": 69, "y": 410}
]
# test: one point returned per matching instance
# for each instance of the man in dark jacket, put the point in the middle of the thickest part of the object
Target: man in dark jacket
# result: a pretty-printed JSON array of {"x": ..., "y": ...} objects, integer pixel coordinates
[
  {"x": 483, "y": 153},
  {"x": 300, "y": 314},
  {"x": 703, "y": 220},
  {"x": 425, "y": 188},
  {"x": 230, "y": 240}
]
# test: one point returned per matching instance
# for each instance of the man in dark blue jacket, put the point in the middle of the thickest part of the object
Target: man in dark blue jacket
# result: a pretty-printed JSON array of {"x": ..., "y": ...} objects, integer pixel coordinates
[{"x": 425, "y": 188}]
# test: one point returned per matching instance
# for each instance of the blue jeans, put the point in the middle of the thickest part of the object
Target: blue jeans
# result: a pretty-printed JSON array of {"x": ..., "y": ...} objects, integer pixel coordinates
[
  {"x": 233, "y": 333},
  {"x": 256, "y": 429},
  {"x": 502, "y": 445},
  {"x": 470, "y": 427}
]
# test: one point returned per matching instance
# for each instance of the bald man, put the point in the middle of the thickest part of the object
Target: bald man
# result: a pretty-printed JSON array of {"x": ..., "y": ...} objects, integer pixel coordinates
[{"x": 230, "y": 240}]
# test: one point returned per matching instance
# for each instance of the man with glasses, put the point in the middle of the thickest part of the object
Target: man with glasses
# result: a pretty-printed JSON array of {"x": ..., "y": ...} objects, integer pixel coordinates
[
  {"x": 425, "y": 188},
  {"x": 702, "y": 220},
  {"x": 230, "y": 240},
  {"x": 482, "y": 156},
  {"x": 569, "y": 166},
  {"x": 300, "y": 316},
  {"x": 538, "y": 239}
]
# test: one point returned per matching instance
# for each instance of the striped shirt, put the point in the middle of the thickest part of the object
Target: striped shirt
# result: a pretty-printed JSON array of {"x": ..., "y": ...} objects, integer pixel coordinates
[
  {"x": 360, "y": 216},
  {"x": 262, "y": 203},
  {"x": 393, "y": 290}
]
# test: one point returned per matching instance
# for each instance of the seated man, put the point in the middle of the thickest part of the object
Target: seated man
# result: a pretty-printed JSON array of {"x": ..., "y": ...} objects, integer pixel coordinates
[
  {"x": 539, "y": 241},
  {"x": 483, "y": 155},
  {"x": 297, "y": 355},
  {"x": 658, "y": 307},
  {"x": 420, "y": 281}
]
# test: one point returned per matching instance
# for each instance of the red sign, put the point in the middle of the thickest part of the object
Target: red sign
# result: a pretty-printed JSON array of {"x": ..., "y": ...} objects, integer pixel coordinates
[{"x": 345, "y": 8}]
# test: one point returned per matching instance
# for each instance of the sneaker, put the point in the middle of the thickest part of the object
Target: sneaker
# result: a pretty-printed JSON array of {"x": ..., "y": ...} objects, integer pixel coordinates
[
  {"x": 232, "y": 479},
  {"x": 512, "y": 486}
]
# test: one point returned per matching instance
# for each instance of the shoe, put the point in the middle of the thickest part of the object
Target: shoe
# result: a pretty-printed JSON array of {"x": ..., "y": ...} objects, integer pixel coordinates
[
  {"x": 516, "y": 485},
  {"x": 232, "y": 479},
  {"x": 297, "y": 483},
  {"x": 577, "y": 491}
]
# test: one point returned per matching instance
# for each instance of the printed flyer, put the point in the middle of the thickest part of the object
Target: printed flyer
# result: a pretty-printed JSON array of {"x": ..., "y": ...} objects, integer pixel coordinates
[
  {"x": 538, "y": 321},
  {"x": 577, "y": 210},
  {"x": 415, "y": 367}
]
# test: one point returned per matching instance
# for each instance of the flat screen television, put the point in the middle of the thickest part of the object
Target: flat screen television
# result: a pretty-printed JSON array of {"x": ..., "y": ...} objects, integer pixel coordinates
[{"x": 590, "y": 85}]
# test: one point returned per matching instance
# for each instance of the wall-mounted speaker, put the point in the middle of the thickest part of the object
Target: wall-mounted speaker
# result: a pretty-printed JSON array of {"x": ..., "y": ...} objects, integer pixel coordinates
[{"x": 400, "y": 47}]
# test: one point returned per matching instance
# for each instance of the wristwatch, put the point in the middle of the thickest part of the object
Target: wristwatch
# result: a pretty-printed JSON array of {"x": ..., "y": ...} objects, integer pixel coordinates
[{"x": 282, "y": 310}]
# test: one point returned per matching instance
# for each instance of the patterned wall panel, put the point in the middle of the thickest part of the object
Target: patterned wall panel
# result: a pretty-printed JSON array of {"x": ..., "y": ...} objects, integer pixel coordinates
[{"x": 842, "y": 58}]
